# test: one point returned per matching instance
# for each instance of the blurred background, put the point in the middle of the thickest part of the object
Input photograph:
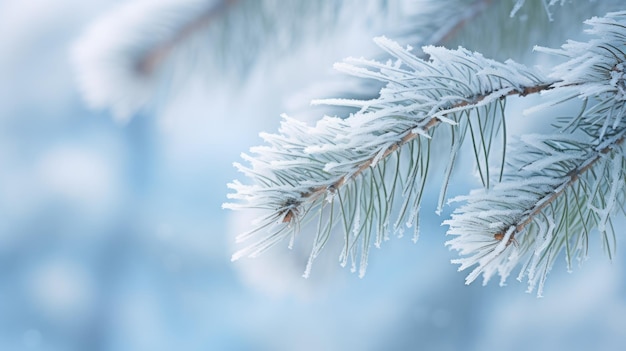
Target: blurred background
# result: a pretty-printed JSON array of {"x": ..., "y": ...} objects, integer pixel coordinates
[{"x": 112, "y": 235}]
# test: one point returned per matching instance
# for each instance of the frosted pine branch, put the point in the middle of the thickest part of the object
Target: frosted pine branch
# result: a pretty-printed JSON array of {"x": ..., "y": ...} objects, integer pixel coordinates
[
  {"x": 331, "y": 169},
  {"x": 561, "y": 187},
  {"x": 556, "y": 193},
  {"x": 595, "y": 69}
]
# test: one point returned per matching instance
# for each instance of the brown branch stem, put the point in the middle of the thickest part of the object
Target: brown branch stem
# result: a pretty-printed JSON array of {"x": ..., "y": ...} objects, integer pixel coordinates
[
  {"x": 573, "y": 175},
  {"x": 409, "y": 135}
]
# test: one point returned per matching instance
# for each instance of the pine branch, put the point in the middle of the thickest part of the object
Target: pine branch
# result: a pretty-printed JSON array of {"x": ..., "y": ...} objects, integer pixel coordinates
[
  {"x": 571, "y": 178},
  {"x": 304, "y": 168},
  {"x": 560, "y": 187},
  {"x": 549, "y": 203},
  {"x": 410, "y": 134}
]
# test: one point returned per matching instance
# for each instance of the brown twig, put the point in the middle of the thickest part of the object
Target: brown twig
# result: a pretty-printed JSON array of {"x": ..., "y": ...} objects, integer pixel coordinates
[
  {"x": 573, "y": 175},
  {"x": 315, "y": 193}
]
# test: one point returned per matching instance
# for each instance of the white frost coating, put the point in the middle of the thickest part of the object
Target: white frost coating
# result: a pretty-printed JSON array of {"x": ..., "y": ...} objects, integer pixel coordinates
[
  {"x": 309, "y": 266},
  {"x": 517, "y": 7},
  {"x": 411, "y": 219},
  {"x": 294, "y": 168},
  {"x": 616, "y": 184}
]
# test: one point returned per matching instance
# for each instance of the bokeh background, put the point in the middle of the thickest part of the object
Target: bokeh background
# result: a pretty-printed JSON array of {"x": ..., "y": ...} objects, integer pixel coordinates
[{"x": 112, "y": 235}]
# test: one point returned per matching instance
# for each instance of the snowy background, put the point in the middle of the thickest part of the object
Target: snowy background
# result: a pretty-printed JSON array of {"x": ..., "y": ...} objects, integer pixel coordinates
[{"x": 112, "y": 236}]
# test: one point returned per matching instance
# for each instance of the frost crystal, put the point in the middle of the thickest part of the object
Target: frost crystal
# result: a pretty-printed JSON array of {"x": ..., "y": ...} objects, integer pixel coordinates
[{"x": 618, "y": 81}]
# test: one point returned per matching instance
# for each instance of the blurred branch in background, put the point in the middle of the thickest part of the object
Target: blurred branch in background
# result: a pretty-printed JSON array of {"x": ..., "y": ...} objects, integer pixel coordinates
[
  {"x": 144, "y": 51},
  {"x": 152, "y": 58}
]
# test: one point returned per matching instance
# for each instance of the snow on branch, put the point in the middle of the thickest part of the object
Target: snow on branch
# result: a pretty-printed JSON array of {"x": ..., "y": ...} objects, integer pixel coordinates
[
  {"x": 350, "y": 172},
  {"x": 559, "y": 187}
]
